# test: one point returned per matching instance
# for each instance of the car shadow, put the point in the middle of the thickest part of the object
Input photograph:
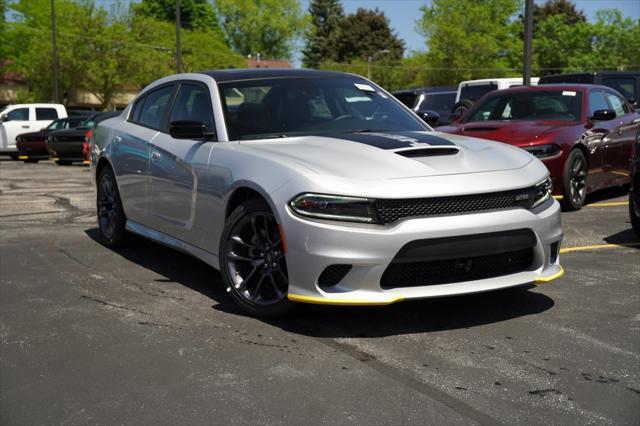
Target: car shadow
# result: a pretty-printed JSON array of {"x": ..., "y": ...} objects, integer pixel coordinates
[
  {"x": 607, "y": 194},
  {"x": 420, "y": 316},
  {"x": 623, "y": 237}
]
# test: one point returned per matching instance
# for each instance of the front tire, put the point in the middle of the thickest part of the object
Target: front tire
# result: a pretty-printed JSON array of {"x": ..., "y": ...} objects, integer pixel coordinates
[
  {"x": 574, "y": 178},
  {"x": 111, "y": 217},
  {"x": 253, "y": 263}
]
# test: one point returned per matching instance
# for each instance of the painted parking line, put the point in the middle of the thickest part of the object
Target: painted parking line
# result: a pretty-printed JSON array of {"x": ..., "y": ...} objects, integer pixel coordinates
[
  {"x": 611, "y": 204},
  {"x": 598, "y": 247}
]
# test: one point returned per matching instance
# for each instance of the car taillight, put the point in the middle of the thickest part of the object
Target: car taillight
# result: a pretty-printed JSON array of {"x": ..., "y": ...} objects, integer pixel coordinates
[{"x": 87, "y": 136}]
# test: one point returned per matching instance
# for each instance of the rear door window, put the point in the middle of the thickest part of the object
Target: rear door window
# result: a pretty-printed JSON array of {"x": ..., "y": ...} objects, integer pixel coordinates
[
  {"x": 155, "y": 107},
  {"x": 46, "y": 114},
  {"x": 618, "y": 104}
]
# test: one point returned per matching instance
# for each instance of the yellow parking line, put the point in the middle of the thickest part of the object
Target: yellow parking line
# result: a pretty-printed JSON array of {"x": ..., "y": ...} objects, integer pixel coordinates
[
  {"x": 23, "y": 157},
  {"x": 597, "y": 247},
  {"x": 611, "y": 204},
  {"x": 621, "y": 173},
  {"x": 558, "y": 197}
]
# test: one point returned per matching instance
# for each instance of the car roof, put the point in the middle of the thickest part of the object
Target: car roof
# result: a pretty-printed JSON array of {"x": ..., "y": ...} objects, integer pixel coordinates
[
  {"x": 235, "y": 74},
  {"x": 560, "y": 86},
  {"x": 501, "y": 79},
  {"x": 594, "y": 73}
]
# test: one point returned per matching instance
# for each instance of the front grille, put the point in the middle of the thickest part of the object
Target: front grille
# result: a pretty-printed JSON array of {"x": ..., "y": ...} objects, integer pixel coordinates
[
  {"x": 456, "y": 270},
  {"x": 392, "y": 210}
]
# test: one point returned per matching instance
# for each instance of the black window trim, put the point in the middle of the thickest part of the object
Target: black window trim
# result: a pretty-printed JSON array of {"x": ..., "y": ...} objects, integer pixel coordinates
[
  {"x": 165, "y": 116},
  {"x": 202, "y": 85}
]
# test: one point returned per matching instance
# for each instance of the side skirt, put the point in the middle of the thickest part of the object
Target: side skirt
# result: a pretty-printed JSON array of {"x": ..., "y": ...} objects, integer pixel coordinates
[{"x": 166, "y": 240}]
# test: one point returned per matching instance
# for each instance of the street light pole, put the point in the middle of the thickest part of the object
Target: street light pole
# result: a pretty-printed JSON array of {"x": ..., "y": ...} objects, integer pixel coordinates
[
  {"x": 528, "y": 40},
  {"x": 178, "y": 44},
  {"x": 54, "y": 59}
]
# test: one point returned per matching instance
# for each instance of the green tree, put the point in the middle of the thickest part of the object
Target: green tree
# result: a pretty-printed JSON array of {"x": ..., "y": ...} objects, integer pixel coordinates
[
  {"x": 471, "y": 39},
  {"x": 366, "y": 33},
  {"x": 322, "y": 35},
  {"x": 566, "y": 8},
  {"x": 194, "y": 14},
  {"x": 268, "y": 27}
]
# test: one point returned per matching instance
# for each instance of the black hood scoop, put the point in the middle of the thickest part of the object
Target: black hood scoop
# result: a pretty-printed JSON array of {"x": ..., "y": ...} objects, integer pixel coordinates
[{"x": 427, "y": 152}]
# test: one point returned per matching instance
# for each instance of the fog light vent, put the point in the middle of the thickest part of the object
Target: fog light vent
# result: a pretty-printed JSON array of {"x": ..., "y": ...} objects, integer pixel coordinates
[{"x": 332, "y": 275}]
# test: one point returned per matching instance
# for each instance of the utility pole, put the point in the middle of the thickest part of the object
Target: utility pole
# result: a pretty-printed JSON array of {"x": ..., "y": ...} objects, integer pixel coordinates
[
  {"x": 528, "y": 40},
  {"x": 54, "y": 60},
  {"x": 178, "y": 44}
]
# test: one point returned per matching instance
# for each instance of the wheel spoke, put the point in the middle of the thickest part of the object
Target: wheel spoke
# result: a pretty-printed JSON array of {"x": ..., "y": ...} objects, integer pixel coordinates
[{"x": 243, "y": 243}]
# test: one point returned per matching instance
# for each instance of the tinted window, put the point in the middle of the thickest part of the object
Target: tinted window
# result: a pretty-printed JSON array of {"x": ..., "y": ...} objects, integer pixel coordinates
[
  {"x": 46, "y": 114},
  {"x": 19, "y": 114},
  {"x": 409, "y": 99},
  {"x": 59, "y": 124},
  {"x": 625, "y": 86},
  {"x": 155, "y": 106},
  {"x": 596, "y": 102},
  {"x": 438, "y": 101},
  {"x": 618, "y": 105},
  {"x": 135, "y": 110},
  {"x": 476, "y": 91},
  {"x": 193, "y": 104},
  {"x": 264, "y": 108},
  {"x": 530, "y": 105}
]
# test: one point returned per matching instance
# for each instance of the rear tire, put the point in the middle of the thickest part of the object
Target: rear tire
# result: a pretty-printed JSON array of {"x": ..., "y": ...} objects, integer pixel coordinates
[
  {"x": 574, "y": 179},
  {"x": 252, "y": 261},
  {"x": 462, "y": 106},
  {"x": 111, "y": 217}
]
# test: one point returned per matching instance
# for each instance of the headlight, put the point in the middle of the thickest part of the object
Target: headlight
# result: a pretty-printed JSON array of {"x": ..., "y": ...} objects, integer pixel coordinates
[
  {"x": 335, "y": 207},
  {"x": 543, "y": 192},
  {"x": 543, "y": 151}
]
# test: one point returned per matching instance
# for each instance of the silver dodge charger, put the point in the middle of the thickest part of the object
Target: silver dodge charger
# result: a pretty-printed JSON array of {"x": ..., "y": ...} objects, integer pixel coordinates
[{"x": 320, "y": 187}]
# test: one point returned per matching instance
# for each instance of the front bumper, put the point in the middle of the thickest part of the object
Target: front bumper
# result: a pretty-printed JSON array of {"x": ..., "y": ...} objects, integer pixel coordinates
[{"x": 369, "y": 249}]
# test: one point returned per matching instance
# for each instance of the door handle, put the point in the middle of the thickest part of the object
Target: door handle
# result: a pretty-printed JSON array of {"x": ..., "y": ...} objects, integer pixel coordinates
[
  {"x": 636, "y": 121},
  {"x": 25, "y": 126},
  {"x": 155, "y": 155}
]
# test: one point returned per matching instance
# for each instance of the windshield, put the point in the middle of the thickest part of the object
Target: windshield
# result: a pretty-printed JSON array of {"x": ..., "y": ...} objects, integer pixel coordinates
[
  {"x": 531, "y": 105},
  {"x": 280, "y": 107},
  {"x": 438, "y": 101}
]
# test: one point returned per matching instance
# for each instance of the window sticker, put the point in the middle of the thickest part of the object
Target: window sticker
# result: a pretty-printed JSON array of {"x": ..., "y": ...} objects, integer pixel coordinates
[
  {"x": 568, "y": 93},
  {"x": 364, "y": 87}
]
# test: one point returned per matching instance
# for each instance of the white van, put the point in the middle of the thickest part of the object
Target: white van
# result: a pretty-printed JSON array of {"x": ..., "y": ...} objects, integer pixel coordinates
[{"x": 25, "y": 118}]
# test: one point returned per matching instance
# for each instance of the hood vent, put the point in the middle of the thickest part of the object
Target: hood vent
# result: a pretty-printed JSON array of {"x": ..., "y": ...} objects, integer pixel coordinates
[{"x": 427, "y": 152}]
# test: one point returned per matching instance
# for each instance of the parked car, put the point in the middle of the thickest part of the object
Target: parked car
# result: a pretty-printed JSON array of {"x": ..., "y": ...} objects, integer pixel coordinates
[
  {"x": 634, "y": 195},
  {"x": 471, "y": 90},
  {"x": 23, "y": 118},
  {"x": 584, "y": 134},
  {"x": 32, "y": 147},
  {"x": 627, "y": 83},
  {"x": 320, "y": 187},
  {"x": 72, "y": 145},
  {"x": 432, "y": 104}
]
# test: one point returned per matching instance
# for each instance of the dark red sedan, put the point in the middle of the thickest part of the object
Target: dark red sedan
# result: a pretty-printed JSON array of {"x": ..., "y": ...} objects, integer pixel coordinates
[
  {"x": 584, "y": 134},
  {"x": 32, "y": 147}
]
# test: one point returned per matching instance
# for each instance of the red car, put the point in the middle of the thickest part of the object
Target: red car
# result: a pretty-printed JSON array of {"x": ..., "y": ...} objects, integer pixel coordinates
[{"x": 584, "y": 134}]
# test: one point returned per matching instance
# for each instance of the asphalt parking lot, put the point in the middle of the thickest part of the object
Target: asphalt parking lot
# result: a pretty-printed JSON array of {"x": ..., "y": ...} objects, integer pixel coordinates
[{"x": 148, "y": 335}]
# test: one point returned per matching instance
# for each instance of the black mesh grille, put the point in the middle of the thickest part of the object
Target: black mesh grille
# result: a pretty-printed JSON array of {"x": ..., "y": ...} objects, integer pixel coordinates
[
  {"x": 332, "y": 275},
  {"x": 392, "y": 210},
  {"x": 456, "y": 270}
]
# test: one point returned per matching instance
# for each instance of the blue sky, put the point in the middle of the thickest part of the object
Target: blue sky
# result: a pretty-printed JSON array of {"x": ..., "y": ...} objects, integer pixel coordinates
[{"x": 403, "y": 13}]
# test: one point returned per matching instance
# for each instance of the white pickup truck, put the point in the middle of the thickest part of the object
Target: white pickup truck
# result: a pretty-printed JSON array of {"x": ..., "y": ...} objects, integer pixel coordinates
[{"x": 24, "y": 118}]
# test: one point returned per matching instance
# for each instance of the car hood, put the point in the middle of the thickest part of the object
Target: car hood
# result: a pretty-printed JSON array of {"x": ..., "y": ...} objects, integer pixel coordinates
[
  {"x": 392, "y": 155},
  {"x": 513, "y": 132}
]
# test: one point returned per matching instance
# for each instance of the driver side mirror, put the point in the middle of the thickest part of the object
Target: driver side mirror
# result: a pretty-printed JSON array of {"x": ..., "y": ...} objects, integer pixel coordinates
[
  {"x": 4, "y": 118},
  {"x": 429, "y": 117},
  {"x": 603, "y": 115},
  {"x": 189, "y": 130}
]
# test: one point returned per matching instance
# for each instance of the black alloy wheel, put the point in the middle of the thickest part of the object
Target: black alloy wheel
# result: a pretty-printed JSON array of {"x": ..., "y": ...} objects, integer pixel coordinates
[
  {"x": 253, "y": 261},
  {"x": 111, "y": 217},
  {"x": 575, "y": 181}
]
